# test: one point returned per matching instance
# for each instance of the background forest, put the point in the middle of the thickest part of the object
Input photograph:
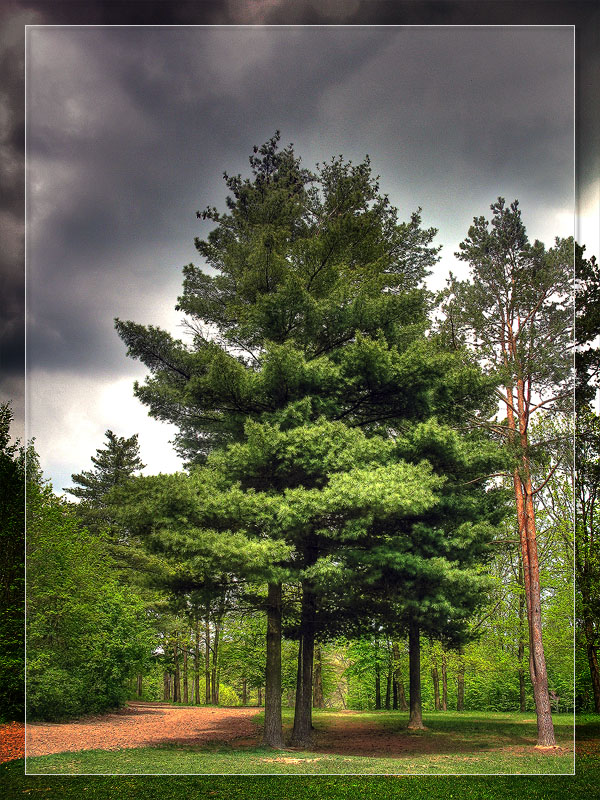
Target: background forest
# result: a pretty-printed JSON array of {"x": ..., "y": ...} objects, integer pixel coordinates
[{"x": 348, "y": 500}]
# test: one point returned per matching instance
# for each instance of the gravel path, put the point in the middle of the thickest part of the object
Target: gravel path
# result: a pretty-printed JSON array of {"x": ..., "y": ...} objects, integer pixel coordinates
[{"x": 143, "y": 725}]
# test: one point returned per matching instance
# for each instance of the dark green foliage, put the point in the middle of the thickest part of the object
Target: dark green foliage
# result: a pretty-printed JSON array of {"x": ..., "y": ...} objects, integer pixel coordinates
[
  {"x": 305, "y": 264},
  {"x": 587, "y": 358},
  {"x": 12, "y": 557}
]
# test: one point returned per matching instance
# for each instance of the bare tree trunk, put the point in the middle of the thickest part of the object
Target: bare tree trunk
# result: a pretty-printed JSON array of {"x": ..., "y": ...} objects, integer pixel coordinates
[
  {"x": 531, "y": 575},
  {"x": 395, "y": 674},
  {"x": 244, "y": 692},
  {"x": 460, "y": 682},
  {"x": 176, "y": 678},
  {"x": 302, "y": 731},
  {"x": 444, "y": 682},
  {"x": 521, "y": 651},
  {"x": 415, "y": 721},
  {"x": 402, "y": 697},
  {"x": 273, "y": 731},
  {"x": 215, "y": 680},
  {"x": 318, "y": 699},
  {"x": 197, "y": 664},
  {"x": 207, "y": 659},
  {"x": 186, "y": 698},
  {"x": 377, "y": 678},
  {"x": 259, "y": 701},
  {"x": 436, "y": 687},
  {"x": 388, "y": 686},
  {"x": 166, "y": 687},
  {"x": 139, "y": 686}
]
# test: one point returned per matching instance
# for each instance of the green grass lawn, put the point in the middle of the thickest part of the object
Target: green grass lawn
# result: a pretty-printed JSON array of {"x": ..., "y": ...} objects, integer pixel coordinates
[
  {"x": 581, "y": 786},
  {"x": 467, "y": 743}
]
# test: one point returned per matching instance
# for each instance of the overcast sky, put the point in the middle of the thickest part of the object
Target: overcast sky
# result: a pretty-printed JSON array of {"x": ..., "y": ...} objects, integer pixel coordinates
[{"x": 129, "y": 131}]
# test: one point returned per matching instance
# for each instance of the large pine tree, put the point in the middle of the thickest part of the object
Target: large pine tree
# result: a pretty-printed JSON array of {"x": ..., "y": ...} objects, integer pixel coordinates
[
  {"x": 516, "y": 313},
  {"x": 316, "y": 310}
]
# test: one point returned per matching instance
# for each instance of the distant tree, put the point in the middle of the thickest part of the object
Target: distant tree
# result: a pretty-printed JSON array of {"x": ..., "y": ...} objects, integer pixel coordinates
[
  {"x": 516, "y": 314},
  {"x": 114, "y": 464}
]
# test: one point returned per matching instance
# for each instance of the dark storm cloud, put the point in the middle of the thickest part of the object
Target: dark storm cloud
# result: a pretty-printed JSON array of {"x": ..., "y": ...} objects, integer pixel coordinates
[
  {"x": 130, "y": 129},
  {"x": 129, "y": 132},
  {"x": 12, "y": 329}
]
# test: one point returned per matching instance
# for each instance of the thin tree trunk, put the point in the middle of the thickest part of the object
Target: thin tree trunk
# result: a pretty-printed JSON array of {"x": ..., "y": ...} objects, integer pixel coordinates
[
  {"x": 186, "y": 698},
  {"x": 531, "y": 578},
  {"x": 207, "y": 659},
  {"x": 436, "y": 687},
  {"x": 395, "y": 674},
  {"x": 273, "y": 731},
  {"x": 166, "y": 688},
  {"x": 318, "y": 699},
  {"x": 244, "y": 692},
  {"x": 388, "y": 686},
  {"x": 259, "y": 701},
  {"x": 415, "y": 721},
  {"x": 302, "y": 731},
  {"x": 197, "y": 664},
  {"x": 460, "y": 682},
  {"x": 139, "y": 685},
  {"x": 176, "y": 678},
  {"x": 444, "y": 682},
  {"x": 377, "y": 678},
  {"x": 215, "y": 680}
]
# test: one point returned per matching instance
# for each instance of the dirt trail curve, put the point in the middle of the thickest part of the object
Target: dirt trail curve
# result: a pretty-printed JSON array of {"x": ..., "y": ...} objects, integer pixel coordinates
[{"x": 143, "y": 725}]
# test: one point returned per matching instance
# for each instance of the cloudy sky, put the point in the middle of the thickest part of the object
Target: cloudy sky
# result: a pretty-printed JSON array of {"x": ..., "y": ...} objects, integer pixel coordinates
[{"x": 129, "y": 130}]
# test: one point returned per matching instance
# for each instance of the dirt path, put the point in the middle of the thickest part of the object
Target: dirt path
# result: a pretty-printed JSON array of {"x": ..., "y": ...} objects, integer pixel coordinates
[{"x": 143, "y": 725}]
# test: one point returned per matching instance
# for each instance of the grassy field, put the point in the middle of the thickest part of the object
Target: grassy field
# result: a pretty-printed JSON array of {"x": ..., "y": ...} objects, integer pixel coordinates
[
  {"x": 362, "y": 744},
  {"x": 581, "y": 786}
]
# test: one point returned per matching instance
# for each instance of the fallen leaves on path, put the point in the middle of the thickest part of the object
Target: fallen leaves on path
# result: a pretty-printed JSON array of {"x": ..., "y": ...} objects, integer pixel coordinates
[
  {"x": 143, "y": 725},
  {"x": 12, "y": 741}
]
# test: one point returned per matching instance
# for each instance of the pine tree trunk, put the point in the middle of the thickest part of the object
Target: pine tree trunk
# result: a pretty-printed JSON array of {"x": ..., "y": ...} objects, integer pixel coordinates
[
  {"x": 415, "y": 721},
  {"x": 302, "y": 731},
  {"x": 388, "y": 687},
  {"x": 197, "y": 664},
  {"x": 186, "y": 698},
  {"x": 460, "y": 682},
  {"x": 207, "y": 659},
  {"x": 273, "y": 731},
  {"x": 318, "y": 699},
  {"x": 377, "y": 684},
  {"x": 402, "y": 697},
  {"x": 531, "y": 576},
  {"x": 444, "y": 683},
  {"x": 176, "y": 678},
  {"x": 215, "y": 681},
  {"x": 592, "y": 655},
  {"x": 436, "y": 687},
  {"x": 395, "y": 674},
  {"x": 166, "y": 688},
  {"x": 521, "y": 650}
]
